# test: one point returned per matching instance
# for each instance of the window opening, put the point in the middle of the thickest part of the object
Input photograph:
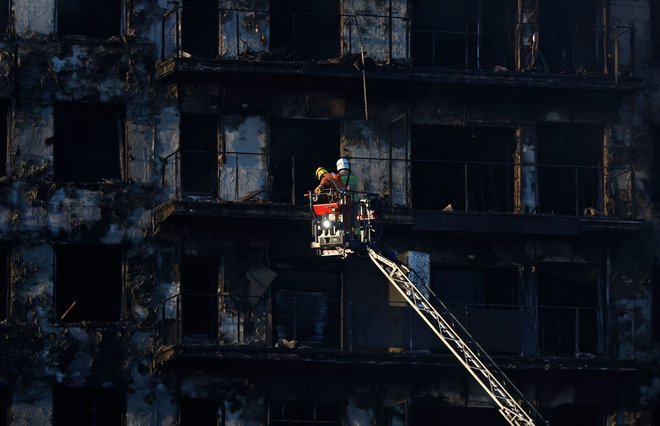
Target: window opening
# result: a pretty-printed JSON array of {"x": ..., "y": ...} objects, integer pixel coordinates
[
  {"x": 199, "y": 154},
  {"x": 89, "y": 18},
  {"x": 88, "y": 283},
  {"x": 93, "y": 407},
  {"x": 297, "y": 148},
  {"x": 199, "y": 289},
  {"x": 88, "y": 142},
  {"x": 569, "y": 172},
  {"x": 200, "y": 28},
  {"x": 198, "y": 412},
  {"x": 469, "y": 168},
  {"x": 301, "y": 29},
  {"x": 421, "y": 415}
]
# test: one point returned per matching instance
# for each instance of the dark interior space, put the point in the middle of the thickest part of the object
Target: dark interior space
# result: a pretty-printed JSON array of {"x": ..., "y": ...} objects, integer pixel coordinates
[
  {"x": 570, "y": 40},
  {"x": 199, "y": 291},
  {"x": 89, "y": 18},
  {"x": 88, "y": 142},
  {"x": 4, "y": 407},
  {"x": 4, "y": 17},
  {"x": 569, "y": 158},
  {"x": 306, "y": 308},
  {"x": 291, "y": 413},
  {"x": 198, "y": 412},
  {"x": 486, "y": 302},
  {"x": 655, "y": 165},
  {"x": 4, "y": 139},
  {"x": 574, "y": 415},
  {"x": 199, "y": 28},
  {"x": 94, "y": 407},
  {"x": 5, "y": 283},
  {"x": 497, "y": 38},
  {"x": 444, "y": 33},
  {"x": 88, "y": 284},
  {"x": 199, "y": 154},
  {"x": 470, "y": 168},
  {"x": 655, "y": 305},
  {"x": 297, "y": 148},
  {"x": 424, "y": 415},
  {"x": 655, "y": 33},
  {"x": 568, "y": 309},
  {"x": 302, "y": 29}
]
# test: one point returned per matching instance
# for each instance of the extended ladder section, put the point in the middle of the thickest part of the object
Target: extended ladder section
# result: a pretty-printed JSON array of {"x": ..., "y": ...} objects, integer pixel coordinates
[{"x": 459, "y": 342}]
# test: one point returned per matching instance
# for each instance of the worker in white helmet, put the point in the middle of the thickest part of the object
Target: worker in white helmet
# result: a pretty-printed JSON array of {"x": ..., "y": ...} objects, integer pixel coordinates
[{"x": 350, "y": 180}]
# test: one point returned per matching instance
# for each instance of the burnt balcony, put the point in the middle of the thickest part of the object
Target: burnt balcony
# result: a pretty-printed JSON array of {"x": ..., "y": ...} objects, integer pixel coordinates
[
  {"x": 429, "y": 195},
  {"x": 329, "y": 44},
  {"x": 296, "y": 330}
]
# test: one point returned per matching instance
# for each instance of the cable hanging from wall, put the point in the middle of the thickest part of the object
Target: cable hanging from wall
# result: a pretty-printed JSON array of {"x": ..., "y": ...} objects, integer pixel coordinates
[{"x": 364, "y": 73}]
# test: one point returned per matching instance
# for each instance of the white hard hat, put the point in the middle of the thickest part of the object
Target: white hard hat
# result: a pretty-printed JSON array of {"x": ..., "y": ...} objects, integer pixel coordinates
[{"x": 343, "y": 163}]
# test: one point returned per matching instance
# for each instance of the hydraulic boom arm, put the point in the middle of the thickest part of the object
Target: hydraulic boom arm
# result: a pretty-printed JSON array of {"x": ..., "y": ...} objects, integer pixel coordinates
[{"x": 459, "y": 342}]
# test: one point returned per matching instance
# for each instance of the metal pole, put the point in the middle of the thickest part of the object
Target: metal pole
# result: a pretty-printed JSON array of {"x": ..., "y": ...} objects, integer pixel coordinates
[
  {"x": 577, "y": 193},
  {"x": 178, "y": 31},
  {"x": 577, "y": 331},
  {"x": 467, "y": 41},
  {"x": 295, "y": 321},
  {"x": 390, "y": 33},
  {"x": 465, "y": 186},
  {"x": 238, "y": 36},
  {"x": 293, "y": 180}
]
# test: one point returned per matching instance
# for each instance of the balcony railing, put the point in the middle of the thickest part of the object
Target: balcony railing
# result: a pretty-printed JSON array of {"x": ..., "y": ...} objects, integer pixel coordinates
[
  {"x": 468, "y": 186},
  {"x": 315, "y": 322},
  {"x": 248, "y": 34}
]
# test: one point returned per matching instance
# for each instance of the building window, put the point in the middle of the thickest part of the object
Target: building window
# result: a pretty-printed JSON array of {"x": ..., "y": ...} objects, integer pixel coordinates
[
  {"x": 200, "y": 28},
  {"x": 199, "y": 412},
  {"x": 306, "y": 308},
  {"x": 487, "y": 303},
  {"x": 444, "y": 33},
  {"x": 470, "y": 169},
  {"x": 88, "y": 142},
  {"x": 304, "y": 413},
  {"x": 199, "y": 291},
  {"x": 568, "y": 309},
  {"x": 655, "y": 305},
  {"x": 93, "y": 407},
  {"x": 89, "y": 18},
  {"x": 5, "y": 284},
  {"x": 199, "y": 154},
  {"x": 304, "y": 29},
  {"x": 420, "y": 414},
  {"x": 293, "y": 159},
  {"x": 574, "y": 415},
  {"x": 88, "y": 283},
  {"x": 569, "y": 158}
]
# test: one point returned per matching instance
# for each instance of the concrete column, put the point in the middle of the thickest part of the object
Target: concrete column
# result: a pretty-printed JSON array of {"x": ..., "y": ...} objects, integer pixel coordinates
[
  {"x": 527, "y": 37},
  {"x": 525, "y": 171}
]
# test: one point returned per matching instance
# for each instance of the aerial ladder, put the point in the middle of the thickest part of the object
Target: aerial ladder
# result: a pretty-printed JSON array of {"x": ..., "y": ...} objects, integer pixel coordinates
[{"x": 341, "y": 226}]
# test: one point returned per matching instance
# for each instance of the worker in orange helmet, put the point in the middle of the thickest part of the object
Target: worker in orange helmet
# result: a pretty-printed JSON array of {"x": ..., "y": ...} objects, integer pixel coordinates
[{"x": 328, "y": 181}]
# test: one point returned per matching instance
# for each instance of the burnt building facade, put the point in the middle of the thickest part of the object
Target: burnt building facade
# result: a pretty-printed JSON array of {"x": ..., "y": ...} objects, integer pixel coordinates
[{"x": 155, "y": 262}]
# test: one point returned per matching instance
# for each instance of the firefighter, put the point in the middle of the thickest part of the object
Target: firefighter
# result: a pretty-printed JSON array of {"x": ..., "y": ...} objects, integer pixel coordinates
[
  {"x": 350, "y": 180},
  {"x": 328, "y": 181}
]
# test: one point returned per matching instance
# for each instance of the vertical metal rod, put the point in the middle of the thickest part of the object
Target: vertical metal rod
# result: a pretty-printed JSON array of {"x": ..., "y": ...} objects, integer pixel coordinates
[
  {"x": 577, "y": 331},
  {"x": 577, "y": 193},
  {"x": 467, "y": 42},
  {"x": 162, "y": 35},
  {"x": 178, "y": 179},
  {"x": 293, "y": 180},
  {"x": 465, "y": 186},
  {"x": 350, "y": 326},
  {"x": 350, "y": 36},
  {"x": 162, "y": 181},
  {"x": 293, "y": 34},
  {"x": 616, "y": 54},
  {"x": 433, "y": 34},
  {"x": 238, "y": 36},
  {"x": 236, "y": 191},
  {"x": 632, "y": 51},
  {"x": 410, "y": 329},
  {"x": 295, "y": 321},
  {"x": 178, "y": 30},
  {"x": 576, "y": 61},
  {"x": 478, "y": 41},
  {"x": 390, "y": 33}
]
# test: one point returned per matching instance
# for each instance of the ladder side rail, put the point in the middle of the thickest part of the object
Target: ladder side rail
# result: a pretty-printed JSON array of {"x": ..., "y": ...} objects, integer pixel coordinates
[{"x": 509, "y": 406}]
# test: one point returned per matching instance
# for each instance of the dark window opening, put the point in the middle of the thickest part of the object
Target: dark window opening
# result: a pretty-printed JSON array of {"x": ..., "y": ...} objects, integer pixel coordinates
[
  {"x": 423, "y": 415},
  {"x": 304, "y": 29},
  {"x": 486, "y": 302},
  {"x": 5, "y": 284},
  {"x": 297, "y": 148},
  {"x": 292, "y": 413},
  {"x": 469, "y": 168},
  {"x": 655, "y": 164},
  {"x": 88, "y": 283},
  {"x": 568, "y": 309},
  {"x": 655, "y": 33},
  {"x": 574, "y": 415},
  {"x": 4, "y": 407},
  {"x": 92, "y": 407},
  {"x": 199, "y": 290},
  {"x": 89, "y": 18},
  {"x": 655, "y": 305},
  {"x": 306, "y": 308},
  {"x": 198, "y": 412},
  {"x": 199, "y": 154},
  {"x": 570, "y": 38},
  {"x": 569, "y": 160},
  {"x": 200, "y": 28},
  {"x": 4, "y": 16},
  {"x": 469, "y": 34},
  {"x": 4, "y": 139},
  {"x": 88, "y": 142}
]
